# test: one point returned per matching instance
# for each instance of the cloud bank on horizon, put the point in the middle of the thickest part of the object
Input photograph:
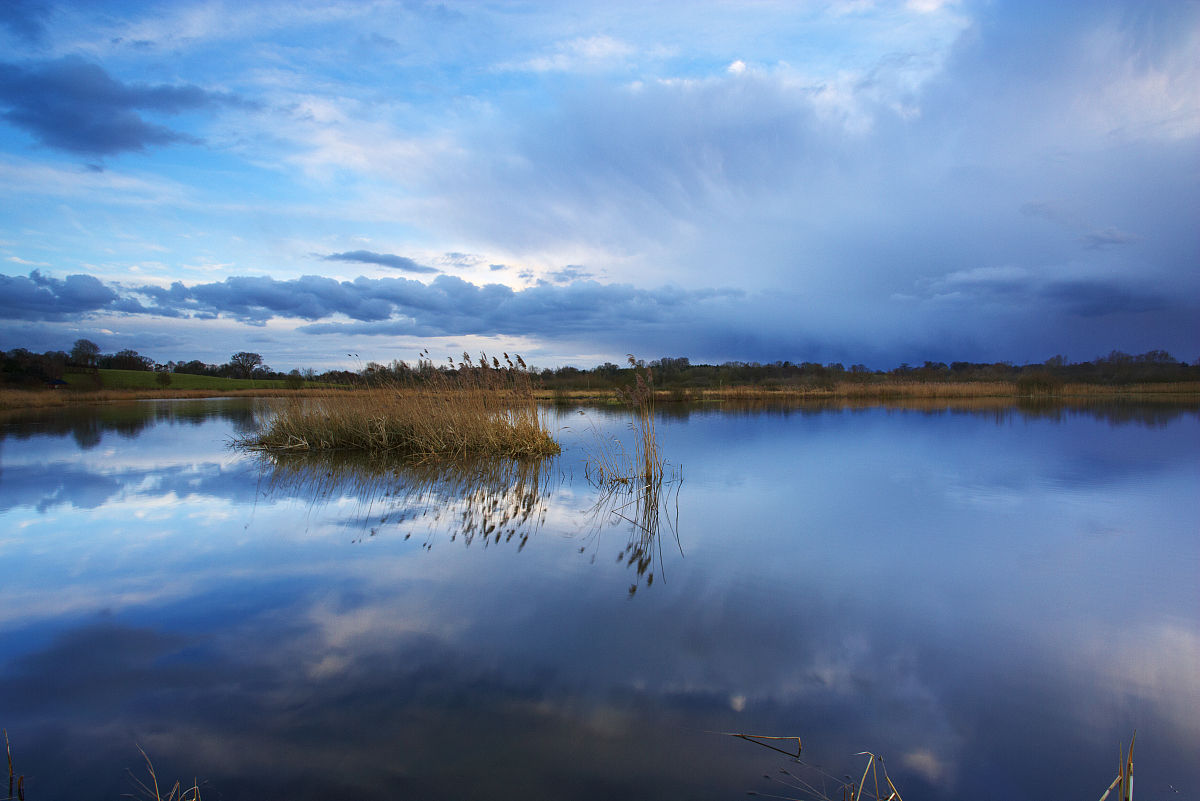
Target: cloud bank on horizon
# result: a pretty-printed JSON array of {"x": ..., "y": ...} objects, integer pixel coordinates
[{"x": 849, "y": 181}]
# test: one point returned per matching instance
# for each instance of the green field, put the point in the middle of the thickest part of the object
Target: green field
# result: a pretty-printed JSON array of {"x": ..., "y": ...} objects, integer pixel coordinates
[{"x": 144, "y": 379}]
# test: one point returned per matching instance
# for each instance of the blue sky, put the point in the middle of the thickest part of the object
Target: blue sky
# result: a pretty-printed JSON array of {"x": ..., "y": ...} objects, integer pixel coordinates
[{"x": 847, "y": 181}]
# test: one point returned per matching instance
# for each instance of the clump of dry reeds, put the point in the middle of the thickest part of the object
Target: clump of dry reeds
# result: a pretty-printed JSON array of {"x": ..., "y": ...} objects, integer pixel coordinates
[
  {"x": 465, "y": 410},
  {"x": 610, "y": 463}
]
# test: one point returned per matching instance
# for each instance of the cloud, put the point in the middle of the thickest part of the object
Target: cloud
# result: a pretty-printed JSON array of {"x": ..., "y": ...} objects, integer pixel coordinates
[
  {"x": 1107, "y": 237},
  {"x": 461, "y": 260},
  {"x": 1093, "y": 238},
  {"x": 582, "y": 53},
  {"x": 26, "y": 19},
  {"x": 1017, "y": 288},
  {"x": 572, "y": 272},
  {"x": 382, "y": 259},
  {"x": 38, "y": 297},
  {"x": 74, "y": 105},
  {"x": 1099, "y": 298},
  {"x": 448, "y": 306}
]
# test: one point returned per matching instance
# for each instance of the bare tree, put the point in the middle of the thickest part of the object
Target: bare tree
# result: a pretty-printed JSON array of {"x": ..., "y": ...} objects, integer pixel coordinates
[
  {"x": 85, "y": 352},
  {"x": 244, "y": 363}
]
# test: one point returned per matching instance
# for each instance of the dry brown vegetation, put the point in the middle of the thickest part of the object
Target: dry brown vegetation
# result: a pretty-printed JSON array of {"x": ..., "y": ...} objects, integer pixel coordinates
[
  {"x": 848, "y": 390},
  {"x": 52, "y": 398},
  {"x": 484, "y": 409},
  {"x": 898, "y": 390}
]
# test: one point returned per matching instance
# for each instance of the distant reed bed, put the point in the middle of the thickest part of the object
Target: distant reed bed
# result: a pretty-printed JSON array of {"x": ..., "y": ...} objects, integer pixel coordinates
[
  {"x": 880, "y": 391},
  {"x": 56, "y": 398},
  {"x": 486, "y": 408}
]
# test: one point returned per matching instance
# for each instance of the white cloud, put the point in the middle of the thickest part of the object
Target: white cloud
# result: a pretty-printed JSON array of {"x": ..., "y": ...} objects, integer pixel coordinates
[
  {"x": 583, "y": 53},
  {"x": 925, "y": 763}
]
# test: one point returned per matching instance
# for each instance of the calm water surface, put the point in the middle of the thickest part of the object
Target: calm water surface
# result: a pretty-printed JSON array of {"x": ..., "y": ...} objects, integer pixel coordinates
[{"x": 991, "y": 601}]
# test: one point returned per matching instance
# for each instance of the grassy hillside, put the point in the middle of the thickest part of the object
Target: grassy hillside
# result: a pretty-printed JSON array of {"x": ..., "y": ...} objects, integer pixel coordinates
[{"x": 144, "y": 379}]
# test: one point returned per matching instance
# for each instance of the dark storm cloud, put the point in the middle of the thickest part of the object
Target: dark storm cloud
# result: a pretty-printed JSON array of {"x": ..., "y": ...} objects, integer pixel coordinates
[
  {"x": 382, "y": 259},
  {"x": 1098, "y": 298},
  {"x": 74, "y": 105},
  {"x": 1018, "y": 288},
  {"x": 25, "y": 18},
  {"x": 447, "y": 305},
  {"x": 701, "y": 323},
  {"x": 37, "y": 297}
]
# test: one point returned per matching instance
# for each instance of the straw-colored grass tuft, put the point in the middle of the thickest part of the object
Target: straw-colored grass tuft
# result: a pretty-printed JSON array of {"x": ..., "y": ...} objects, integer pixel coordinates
[
  {"x": 610, "y": 463},
  {"x": 460, "y": 411}
]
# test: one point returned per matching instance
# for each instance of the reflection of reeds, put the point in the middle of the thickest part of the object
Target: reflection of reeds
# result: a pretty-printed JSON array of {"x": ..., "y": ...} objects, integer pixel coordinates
[
  {"x": 150, "y": 790},
  {"x": 489, "y": 500},
  {"x": 806, "y": 779},
  {"x": 646, "y": 505},
  {"x": 484, "y": 409},
  {"x": 813, "y": 782}
]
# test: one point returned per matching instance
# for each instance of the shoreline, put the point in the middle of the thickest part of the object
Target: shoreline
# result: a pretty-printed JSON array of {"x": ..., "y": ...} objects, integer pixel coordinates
[{"x": 881, "y": 393}]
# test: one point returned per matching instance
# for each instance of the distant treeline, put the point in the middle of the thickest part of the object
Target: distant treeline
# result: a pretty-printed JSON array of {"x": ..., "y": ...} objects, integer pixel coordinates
[
  {"x": 21, "y": 367},
  {"x": 679, "y": 373}
]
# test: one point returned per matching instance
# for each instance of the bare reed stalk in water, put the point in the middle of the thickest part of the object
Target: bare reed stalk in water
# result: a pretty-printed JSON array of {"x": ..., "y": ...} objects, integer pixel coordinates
[
  {"x": 151, "y": 792},
  {"x": 611, "y": 464},
  {"x": 459, "y": 411}
]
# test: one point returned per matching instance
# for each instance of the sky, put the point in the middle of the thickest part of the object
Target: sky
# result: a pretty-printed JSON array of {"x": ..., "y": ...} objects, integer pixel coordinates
[{"x": 331, "y": 183}]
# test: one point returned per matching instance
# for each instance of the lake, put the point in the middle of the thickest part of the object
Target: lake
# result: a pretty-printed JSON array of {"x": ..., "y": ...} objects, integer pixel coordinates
[{"x": 993, "y": 601}]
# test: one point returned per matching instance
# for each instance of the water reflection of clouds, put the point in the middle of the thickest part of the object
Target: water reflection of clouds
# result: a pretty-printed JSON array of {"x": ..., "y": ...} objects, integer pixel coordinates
[
  {"x": 860, "y": 613},
  {"x": 44, "y": 486},
  {"x": 436, "y": 670}
]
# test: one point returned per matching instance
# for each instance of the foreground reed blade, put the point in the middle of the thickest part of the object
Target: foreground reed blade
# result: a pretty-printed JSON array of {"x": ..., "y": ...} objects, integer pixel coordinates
[
  {"x": 150, "y": 790},
  {"x": 484, "y": 409},
  {"x": 1123, "y": 784},
  {"x": 814, "y": 784},
  {"x": 20, "y": 796}
]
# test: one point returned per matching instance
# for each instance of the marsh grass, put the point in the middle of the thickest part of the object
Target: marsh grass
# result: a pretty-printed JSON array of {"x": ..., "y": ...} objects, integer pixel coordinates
[
  {"x": 950, "y": 391},
  {"x": 635, "y": 488},
  {"x": 12, "y": 399},
  {"x": 608, "y": 462},
  {"x": 484, "y": 409}
]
